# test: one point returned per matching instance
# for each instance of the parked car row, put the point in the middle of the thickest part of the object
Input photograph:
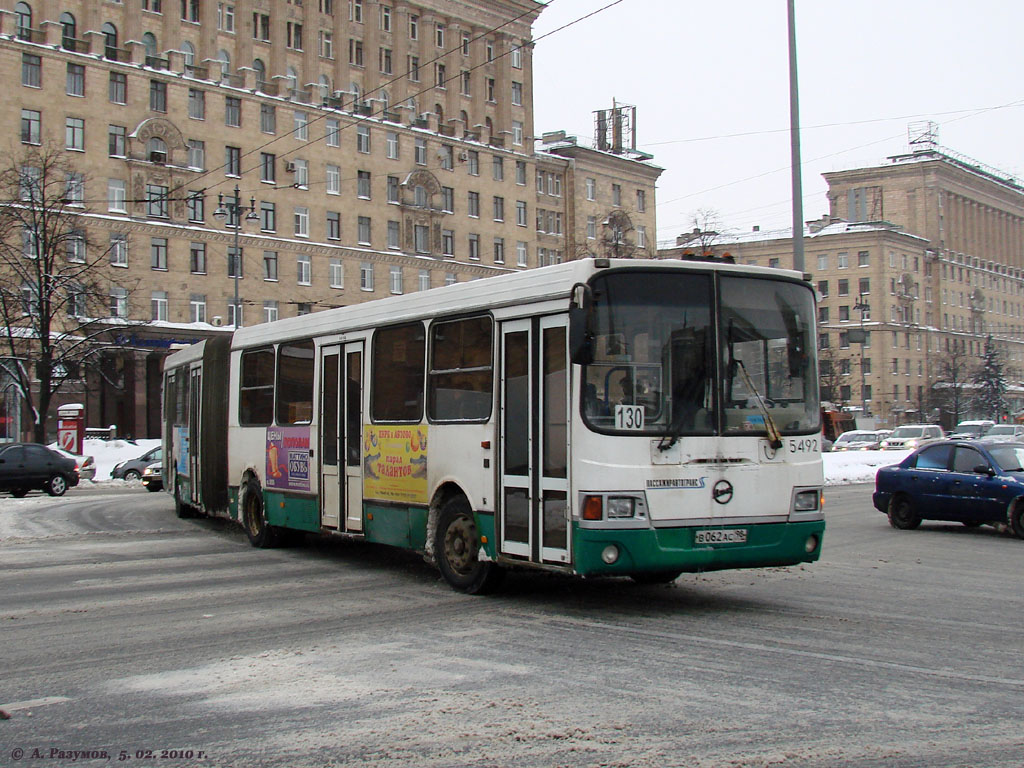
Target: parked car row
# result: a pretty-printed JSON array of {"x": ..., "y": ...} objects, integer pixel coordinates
[
  {"x": 913, "y": 436},
  {"x": 28, "y": 467}
]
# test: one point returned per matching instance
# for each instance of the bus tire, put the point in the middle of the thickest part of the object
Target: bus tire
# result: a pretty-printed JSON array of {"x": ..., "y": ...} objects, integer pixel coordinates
[
  {"x": 902, "y": 514},
  {"x": 261, "y": 534},
  {"x": 181, "y": 509},
  {"x": 456, "y": 545},
  {"x": 655, "y": 577}
]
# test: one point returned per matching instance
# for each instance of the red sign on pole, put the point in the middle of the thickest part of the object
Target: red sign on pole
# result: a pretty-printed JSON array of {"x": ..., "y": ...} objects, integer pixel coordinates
[{"x": 71, "y": 428}]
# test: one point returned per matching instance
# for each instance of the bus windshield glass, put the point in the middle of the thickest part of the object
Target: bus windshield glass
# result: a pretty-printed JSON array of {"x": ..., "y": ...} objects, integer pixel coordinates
[{"x": 662, "y": 366}]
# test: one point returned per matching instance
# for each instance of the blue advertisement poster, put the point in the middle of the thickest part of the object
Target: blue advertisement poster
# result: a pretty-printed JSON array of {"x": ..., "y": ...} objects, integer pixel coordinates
[{"x": 288, "y": 458}]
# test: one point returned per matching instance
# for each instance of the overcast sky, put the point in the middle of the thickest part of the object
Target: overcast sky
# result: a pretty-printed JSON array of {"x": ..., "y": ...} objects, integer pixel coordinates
[{"x": 700, "y": 73}]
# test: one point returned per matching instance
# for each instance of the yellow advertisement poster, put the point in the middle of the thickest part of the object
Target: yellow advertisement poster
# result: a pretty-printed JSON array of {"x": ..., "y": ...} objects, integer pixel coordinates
[{"x": 395, "y": 463}]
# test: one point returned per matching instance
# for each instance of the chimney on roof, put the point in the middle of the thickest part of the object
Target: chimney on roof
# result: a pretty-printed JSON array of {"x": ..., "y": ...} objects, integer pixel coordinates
[{"x": 817, "y": 225}]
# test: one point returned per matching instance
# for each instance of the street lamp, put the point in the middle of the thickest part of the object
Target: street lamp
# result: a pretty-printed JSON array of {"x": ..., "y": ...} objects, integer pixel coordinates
[
  {"x": 863, "y": 307},
  {"x": 234, "y": 209}
]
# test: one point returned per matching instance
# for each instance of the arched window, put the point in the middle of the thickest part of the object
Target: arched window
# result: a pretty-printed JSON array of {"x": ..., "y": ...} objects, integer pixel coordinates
[
  {"x": 464, "y": 117},
  {"x": 490, "y": 128},
  {"x": 157, "y": 149},
  {"x": 23, "y": 20},
  {"x": 68, "y": 30},
  {"x": 420, "y": 195},
  {"x": 109, "y": 40},
  {"x": 354, "y": 87},
  {"x": 261, "y": 73},
  {"x": 189, "y": 54},
  {"x": 225, "y": 63},
  {"x": 149, "y": 43},
  {"x": 325, "y": 87},
  {"x": 385, "y": 100},
  {"x": 439, "y": 111},
  {"x": 293, "y": 78}
]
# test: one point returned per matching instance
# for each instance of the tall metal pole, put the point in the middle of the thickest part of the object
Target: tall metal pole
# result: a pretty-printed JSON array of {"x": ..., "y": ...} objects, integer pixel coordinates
[
  {"x": 236, "y": 214},
  {"x": 794, "y": 142}
]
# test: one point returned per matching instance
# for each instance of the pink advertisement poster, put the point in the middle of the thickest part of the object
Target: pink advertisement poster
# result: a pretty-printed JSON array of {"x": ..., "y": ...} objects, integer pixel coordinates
[{"x": 288, "y": 458}]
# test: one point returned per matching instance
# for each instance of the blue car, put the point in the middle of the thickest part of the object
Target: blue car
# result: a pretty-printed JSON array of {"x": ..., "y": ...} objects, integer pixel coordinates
[{"x": 973, "y": 483}]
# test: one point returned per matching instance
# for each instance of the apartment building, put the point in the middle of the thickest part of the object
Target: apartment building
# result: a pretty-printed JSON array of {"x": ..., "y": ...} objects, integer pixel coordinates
[{"x": 247, "y": 161}]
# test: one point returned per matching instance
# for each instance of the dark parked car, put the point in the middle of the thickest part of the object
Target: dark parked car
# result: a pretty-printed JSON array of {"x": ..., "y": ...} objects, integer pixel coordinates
[
  {"x": 975, "y": 482},
  {"x": 153, "y": 476},
  {"x": 29, "y": 466},
  {"x": 132, "y": 469}
]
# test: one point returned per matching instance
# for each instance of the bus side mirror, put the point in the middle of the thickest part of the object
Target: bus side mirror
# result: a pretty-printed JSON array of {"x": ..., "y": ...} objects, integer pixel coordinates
[{"x": 581, "y": 332}]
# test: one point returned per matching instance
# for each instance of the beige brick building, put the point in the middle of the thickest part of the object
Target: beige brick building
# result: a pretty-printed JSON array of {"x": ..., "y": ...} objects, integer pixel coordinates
[
  {"x": 384, "y": 147},
  {"x": 924, "y": 253}
]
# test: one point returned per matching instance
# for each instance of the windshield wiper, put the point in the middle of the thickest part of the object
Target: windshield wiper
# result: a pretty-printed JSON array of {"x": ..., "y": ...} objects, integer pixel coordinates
[{"x": 774, "y": 436}]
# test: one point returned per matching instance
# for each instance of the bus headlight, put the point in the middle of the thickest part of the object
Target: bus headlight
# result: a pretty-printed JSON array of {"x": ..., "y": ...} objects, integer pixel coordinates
[
  {"x": 621, "y": 506},
  {"x": 811, "y": 544},
  {"x": 805, "y": 501}
]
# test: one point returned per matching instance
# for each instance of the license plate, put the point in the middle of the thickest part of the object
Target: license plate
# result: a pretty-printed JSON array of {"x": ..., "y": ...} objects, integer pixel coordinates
[{"x": 721, "y": 536}]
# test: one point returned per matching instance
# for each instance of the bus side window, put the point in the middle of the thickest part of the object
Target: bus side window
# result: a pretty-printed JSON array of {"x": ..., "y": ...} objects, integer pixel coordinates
[
  {"x": 461, "y": 377},
  {"x": 399, "y": 353},
  {"x": 295, "y": 382},
  {"x": 256, "y": 388}
]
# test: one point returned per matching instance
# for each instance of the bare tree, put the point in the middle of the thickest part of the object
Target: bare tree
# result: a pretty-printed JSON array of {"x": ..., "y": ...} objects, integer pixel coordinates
[
  {"x": 55, "y": 306},
  {"x": 954, "y": 370},
  {"x": 830, "y": 381},
  {"x": 707, "y": 230}
]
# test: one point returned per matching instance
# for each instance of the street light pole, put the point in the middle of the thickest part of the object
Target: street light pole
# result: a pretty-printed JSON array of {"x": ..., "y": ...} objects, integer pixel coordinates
[
  {"x": 862, "y": 307},
  {"x": 234, "y": 209}
]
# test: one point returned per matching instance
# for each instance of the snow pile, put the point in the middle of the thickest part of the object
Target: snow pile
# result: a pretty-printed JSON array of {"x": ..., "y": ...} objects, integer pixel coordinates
[
  {"x": 108, "y": 453},
  {"x": 844, "y": 467}
]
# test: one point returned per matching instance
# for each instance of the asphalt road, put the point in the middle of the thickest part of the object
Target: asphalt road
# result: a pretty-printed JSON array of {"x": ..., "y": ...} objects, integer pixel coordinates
[{"x": 128, "y": 632}]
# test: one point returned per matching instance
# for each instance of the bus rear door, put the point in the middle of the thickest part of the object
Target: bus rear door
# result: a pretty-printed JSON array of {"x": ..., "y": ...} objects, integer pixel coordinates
[
  {"x": 534, "y": 480},
  {"x": 341, "y": 428}
]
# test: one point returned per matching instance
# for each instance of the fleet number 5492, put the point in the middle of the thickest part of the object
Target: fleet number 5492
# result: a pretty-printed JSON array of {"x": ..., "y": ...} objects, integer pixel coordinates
[{"x": 804, "y": 445}]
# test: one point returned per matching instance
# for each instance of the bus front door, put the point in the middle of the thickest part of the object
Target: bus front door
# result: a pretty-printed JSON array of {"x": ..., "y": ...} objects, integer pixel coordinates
[
  {"x": 533, "y": 497},
  {"x": 195, "y": 415},
  {"x": 341, "y": 420}
]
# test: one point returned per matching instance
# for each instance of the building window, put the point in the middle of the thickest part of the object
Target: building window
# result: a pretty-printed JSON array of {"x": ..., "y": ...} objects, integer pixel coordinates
[
  {"x": 117, "y": 90},
  {"x": 448, "y": 242},
  {"x": 156, "y": 201},
  {"x": 447, "y": 157},
  {"x": 843, "y": 260},
  {"x": 196, "y": 104},
  {"x": 116, "y": 196},
  {"x": 157, "y": 96},
  {"x": 863, "y": 258},
  {"x": 32, "y": 71},
  {"x": 394, "y": 236},
  {"x": 355, "y": 52},
  {"x": 499, "y": 208},
  {"x": 363, "y": 184},
  {"x": 517, "y": 94},
  {"x": 421, "y": 238},
  {"x": 366, "y": 276},
  {"x": 499, "y": 250},
  {"x": 197, "y": 258},
  {"x": 270, "y": 311},
  {"x": 392, "y": 189},
  {"x": 363, "y": 138},
  {"x": 232, "y": 111},
  {"x": 864, "y": 285},
  {"x": 616, "y": 194},
  {"x": 197, "y": 308},
  {"x": 844, "y": 287},
  {"x": 498, "y": 168},
  {"x": 304, "y": 269},
  {"x": 413, "y": 68},
  {"x": 590, "y": 185},
  {"x": 336, "y": 273},
  {"x": 520, "y": 213},
  {"x": 268, "y": 167},
  {"x": 117, "y": 136},
  {"x": 301, "y": 173},
  {"x": 118, "y": 249},
  {"x": 420, "y": 152},
  {"x": 397, "y": 282},
  {"x": 268, "y": 118},
  {"x": 293, "y": 36},
  {"x": 75, "y": 80},
  {"x": 31, "y": 126},
  {"x": 158, "y": 253},
  {"x": 118, "y": 302},
  {"x": 270, "y": 265},
  {"x": 333, "y": 133},
  {"x": 268, "y": 217},
  {"x": 414, "y": 27},
  {"x": 447, "y": 199},
  {"x": 232, "y": 161},
  {"x": 391, "y": 145},
  {"x": 521, "y": 251},
  {"x": 300, "y": 123},
  {"x": 333, "y": 225},
  {"x": 384, "y": 60},
  {"x": 326, "y": 44},
  {"x": 363, "y": 234},
  {"x": 301, "y": 221}
]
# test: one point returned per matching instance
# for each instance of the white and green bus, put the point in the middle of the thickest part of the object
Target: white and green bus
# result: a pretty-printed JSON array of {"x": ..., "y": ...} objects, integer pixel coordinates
[{"x": 625, "y": 417}]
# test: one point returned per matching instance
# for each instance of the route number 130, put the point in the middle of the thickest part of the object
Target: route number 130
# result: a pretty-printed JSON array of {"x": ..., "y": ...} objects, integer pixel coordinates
[{"x": 629, "y": 417}]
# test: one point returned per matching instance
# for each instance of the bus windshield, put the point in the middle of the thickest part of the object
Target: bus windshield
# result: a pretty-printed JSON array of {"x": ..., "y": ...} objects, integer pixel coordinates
[{"x": 662, "y": 365}]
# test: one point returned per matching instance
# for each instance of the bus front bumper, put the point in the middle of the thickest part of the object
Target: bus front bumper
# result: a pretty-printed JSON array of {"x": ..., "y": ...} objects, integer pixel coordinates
[{"x": 650, "y": 550}]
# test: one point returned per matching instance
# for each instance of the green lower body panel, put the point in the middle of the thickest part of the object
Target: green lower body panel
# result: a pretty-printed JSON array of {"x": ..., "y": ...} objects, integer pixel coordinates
[
  {"x": 285, "y": 510},
  {"x": 673, "y": 549},
  {"x": 398, "y": 526}
]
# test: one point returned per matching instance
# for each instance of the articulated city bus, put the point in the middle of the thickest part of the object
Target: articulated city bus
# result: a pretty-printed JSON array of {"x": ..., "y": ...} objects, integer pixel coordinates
[{"x": 641, "y": 418}]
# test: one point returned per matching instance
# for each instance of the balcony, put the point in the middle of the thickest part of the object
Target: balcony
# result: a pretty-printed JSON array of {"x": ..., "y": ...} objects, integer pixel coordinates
[
  {"x": 267, "y": 87},
  {"x": 156, "y": 62},
  {"x": 117, "y": 54},
  {"x": 332, "y": 102},
  {"x": 30, "y": 35},
  {"x": 300, "y": 95},
  {"x": 74, "y": 45},
  {"x": 391, "y": 117},
  {"x": 199, "y": 73}
]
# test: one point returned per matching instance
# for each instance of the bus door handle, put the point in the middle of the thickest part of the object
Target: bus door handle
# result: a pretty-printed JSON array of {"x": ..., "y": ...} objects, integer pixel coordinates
[{"x": 311, "y": 453}]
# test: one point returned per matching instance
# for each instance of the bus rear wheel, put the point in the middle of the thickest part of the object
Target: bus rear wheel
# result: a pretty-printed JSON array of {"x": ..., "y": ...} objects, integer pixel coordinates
[
  {"x": 181, "y": 509},
  {"x": 261, "y": 534},
  {"x": 456, "y": 548}
]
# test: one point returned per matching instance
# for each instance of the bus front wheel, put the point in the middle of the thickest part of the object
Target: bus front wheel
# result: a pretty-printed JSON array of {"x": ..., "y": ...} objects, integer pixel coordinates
[
  {"x": 261, "y": 534},
  {"x": 456, "y": 548}
]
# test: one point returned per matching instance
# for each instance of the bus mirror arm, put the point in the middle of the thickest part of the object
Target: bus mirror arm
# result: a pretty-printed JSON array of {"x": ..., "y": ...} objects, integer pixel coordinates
[{"x": 581, "y": 332}]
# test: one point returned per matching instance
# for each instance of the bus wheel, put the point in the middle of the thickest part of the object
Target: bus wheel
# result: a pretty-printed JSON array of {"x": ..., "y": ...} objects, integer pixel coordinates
[
  {"x": 260, "y": 534},
  {"x": 181, "y": 509},
  {"x": 456, "y": 544},
  {"x": 655, "y": 577},
  {"x": 902, "y": 515}
]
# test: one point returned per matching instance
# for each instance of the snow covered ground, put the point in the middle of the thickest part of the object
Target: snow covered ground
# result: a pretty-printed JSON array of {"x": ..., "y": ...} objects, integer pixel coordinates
[
  {"x": 840, "y": 468},
  {"x": 847, "y": 467}
]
